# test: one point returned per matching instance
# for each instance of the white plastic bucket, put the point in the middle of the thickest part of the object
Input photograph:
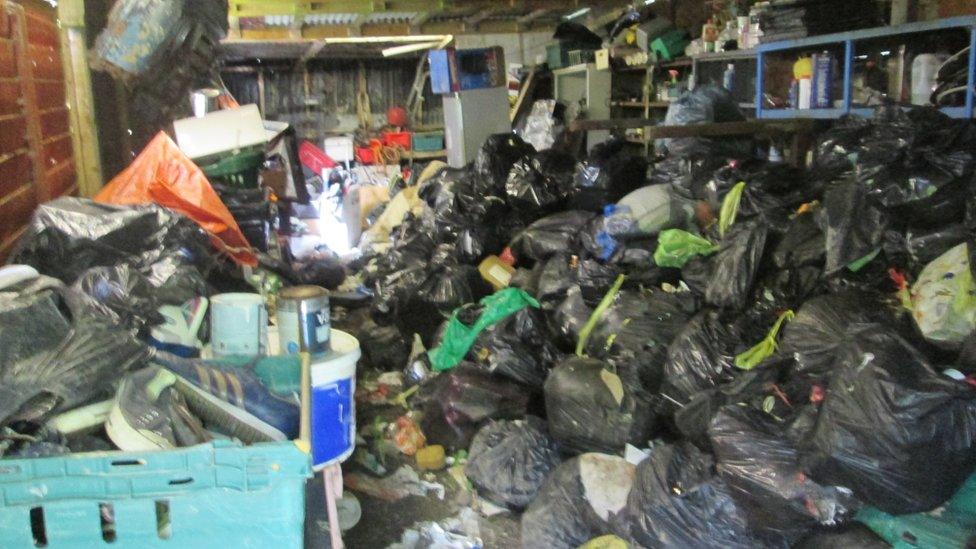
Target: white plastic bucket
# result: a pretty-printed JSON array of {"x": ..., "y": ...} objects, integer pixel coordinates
[
  {"x": 238, "y": 325},
  {"x": 333, "y": 405}
]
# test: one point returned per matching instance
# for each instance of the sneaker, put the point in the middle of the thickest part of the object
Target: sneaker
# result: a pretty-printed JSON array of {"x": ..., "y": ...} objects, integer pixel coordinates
[
  {"x": 150, "y": 414},
  {"x": 234, "y": 400}
]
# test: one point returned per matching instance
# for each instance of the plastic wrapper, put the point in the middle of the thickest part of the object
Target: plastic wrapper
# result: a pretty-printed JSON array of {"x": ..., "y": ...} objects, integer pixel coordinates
[
  {"x": 50, "y": 362},
  {"x": 549, "y": 236},
  {"x": 68, "y": 236},
  {"x": 677, "y": 501},
  {"x": 509, "y": 460},
  {"x": 578, "y": 502},
  {"x": 943, "y": 305},
  {"x": 541, "y": 126},
  {"x": 853, "y": 226},
  {"x": 761, "y": 468},
  {"x": 890, "y": 428},
  {"x": 821, "y": 325},
  {"x": 702, "y": 356},
  {"x": 609, "y": 173},
  {"x": 736, "y": 264},
  {"x": 541, "y": 184},
  {"x": 464, "y": 399},
  {"x": 590, "y": 408},
  {"x": 120, "y": 295},
  {"x": 497, "y": 156},
  {"x": 517, "y": 347}
]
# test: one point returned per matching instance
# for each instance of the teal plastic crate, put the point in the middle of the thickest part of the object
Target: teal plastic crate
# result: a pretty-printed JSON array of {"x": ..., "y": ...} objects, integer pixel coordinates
[
  {"x": 428, "y": 141},
  {"x": 213, "y": 495}
]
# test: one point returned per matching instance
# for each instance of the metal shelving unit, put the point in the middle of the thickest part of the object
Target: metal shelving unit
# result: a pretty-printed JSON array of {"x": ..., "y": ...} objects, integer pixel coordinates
[{"x": 848, "y": 41}]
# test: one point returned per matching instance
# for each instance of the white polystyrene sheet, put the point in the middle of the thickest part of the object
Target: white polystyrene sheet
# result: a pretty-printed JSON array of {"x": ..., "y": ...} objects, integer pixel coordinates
[{"x": 220, "y": 131}]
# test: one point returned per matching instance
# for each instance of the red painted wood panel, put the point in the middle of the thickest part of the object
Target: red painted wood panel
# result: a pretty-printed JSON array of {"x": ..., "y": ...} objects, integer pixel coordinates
[
  {"x": 50, "y": 95},
  {"x": 8, "y": 59},
  {"x": 15, "y": 212},
  {"x": 61, "y": 179},
  {"x": 46, "y": 63},
  {"x": 10, "y": 97},
  {"x": 14, "y": 174},
  {"x": 55, "y": 122},
  {"x": 13, "y": 135},
  {"x": 57, "y": 151},
  {"x": 41, "y": 30}
]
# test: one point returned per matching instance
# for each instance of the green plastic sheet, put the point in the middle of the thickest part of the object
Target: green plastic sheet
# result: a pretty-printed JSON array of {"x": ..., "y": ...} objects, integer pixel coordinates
[
  {"x": 458, "y": 337},
  {"x": 676, "y": 247}
]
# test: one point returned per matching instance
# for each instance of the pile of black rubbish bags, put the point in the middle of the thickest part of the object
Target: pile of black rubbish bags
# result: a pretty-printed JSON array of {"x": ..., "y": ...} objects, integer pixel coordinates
[{"x": 784, "y": 347}]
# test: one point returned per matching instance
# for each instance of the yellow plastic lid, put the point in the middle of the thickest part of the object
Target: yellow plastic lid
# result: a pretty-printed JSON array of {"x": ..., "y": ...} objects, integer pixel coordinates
[{"x": 803, "y": 68}]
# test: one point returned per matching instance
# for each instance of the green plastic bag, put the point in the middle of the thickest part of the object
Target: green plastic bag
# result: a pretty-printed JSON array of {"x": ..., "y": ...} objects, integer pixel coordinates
[
  {"x": 730, "y": 207},
  {"x": 764, "y": 349},
  {"x": 676, "y": 247},
  {"x": 459, "y": 337}
]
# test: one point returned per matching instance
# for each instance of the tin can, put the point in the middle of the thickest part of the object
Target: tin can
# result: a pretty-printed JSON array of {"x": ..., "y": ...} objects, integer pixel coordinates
[{"x": 303, "y": 320}]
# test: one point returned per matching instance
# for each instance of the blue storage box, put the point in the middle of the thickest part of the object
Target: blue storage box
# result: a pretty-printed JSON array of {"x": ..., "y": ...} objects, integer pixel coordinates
[
  {"x": 212, "y": 495},
  {"x": 443, "y": 71}
]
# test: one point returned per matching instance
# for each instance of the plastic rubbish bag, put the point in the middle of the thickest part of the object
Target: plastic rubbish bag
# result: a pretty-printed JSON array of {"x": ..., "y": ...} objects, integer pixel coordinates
[
  {"x": 541, "y": 184},
  {"x": 50, "y": 362},
  {"x": 736, "y": 264},
  {"x": 701, "y": 357},
  {"x": 121, "y": 295},
  {"x": 913, "y": 249},
  {"x": 890, "y": 428},
  {"x": 569, "y": 317},
  {"x": 703, "y": 105},
  {"x": 384, "y": 348},
  {"x": 517, "y": 347},
  {"x": 944, "y": 299},
  {"x": 761, "y": 467},
  {"x": 509, "y": 460},
  {"x": 436, "y": 298},
  {"x": 823, "y": 322},
  {"x": 675, "y": 247},
  {"x": 162, "y": 174},
  {"x": 549, "y": 236},
  {"x": 577, "y": 502},
  {"x": 590, "y": 408},
  {"x": 497, "y": 156},
  {"x": 609, "y": 173},
  {"x": 853, "y": 226},
  {"x": 541, "y": 125},
  {"x": 677, "y": 501},
  {"x": 459, "y": 336},
  {"x": 67, "y": 236},
  {"x": 853, "y": 534},
  {"x": 802, "y": 244},
  {"x": 463, "y": 399}
]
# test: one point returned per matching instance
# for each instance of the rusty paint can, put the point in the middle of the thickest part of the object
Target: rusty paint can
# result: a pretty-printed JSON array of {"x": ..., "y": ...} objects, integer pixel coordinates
[{"x": 303, "y": 320}]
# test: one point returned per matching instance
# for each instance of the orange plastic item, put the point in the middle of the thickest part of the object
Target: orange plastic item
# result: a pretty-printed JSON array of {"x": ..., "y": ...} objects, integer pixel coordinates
[
  {"x": 164, "y": 175},
  {"x": 401, "y": 139},
  {"x": 408, "y": 438}
]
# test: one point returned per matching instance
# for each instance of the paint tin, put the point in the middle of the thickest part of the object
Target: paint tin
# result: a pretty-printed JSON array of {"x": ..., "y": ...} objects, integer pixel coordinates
[
  {"x": 303, "y": 320},
  {"x": 238, "y": 325}
]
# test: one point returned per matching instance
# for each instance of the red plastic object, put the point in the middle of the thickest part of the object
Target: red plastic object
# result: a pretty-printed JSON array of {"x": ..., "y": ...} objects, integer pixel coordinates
[
  {"x": 397, "y": 116},
  {"x": 507, "y": 257},
  {"x": 314, "y": 158},
  {"x": 365, "y": 155},
  {"x": 401, "y": 139},
  {"x": 164, "y": 175}
]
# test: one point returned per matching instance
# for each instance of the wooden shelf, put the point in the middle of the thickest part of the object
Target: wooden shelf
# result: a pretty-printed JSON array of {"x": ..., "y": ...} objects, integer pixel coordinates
[
  {"x": 640, "y": 104},
  {"x": 423, "y": 155}
]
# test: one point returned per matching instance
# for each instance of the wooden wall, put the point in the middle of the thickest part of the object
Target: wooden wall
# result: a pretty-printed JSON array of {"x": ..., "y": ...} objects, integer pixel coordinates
[{"x": 36, "y": 156}]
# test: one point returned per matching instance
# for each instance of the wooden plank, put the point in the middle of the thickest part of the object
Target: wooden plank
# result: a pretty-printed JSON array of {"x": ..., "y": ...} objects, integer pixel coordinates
[
  {"x": 15, "y": 211},
  {"x": 47, "y": 63},
  {"x": 15, "y": 172},
  {"x": 50, "y": 95},
  {"x": 7, "y": 247},
  {"x": 57, "y": 151},
  {"x": 13, "y": 135},
  {"x": 61, "y": 178},
  {"x": 8, "y": 59},
  {"x": 697, "y": 130},
  {"x": 30, "y": 103},
  {"x": 55, "y": 122}
]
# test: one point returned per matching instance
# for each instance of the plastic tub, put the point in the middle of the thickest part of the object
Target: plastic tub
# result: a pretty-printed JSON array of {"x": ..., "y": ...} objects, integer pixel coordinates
[
  {"x": 333, "y": 405},
  {"x": 401, "y": 139}
]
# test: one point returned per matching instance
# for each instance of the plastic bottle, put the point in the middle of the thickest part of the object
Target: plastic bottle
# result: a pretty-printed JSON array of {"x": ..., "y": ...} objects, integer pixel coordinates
[
  {"x": 803, "y": 73},
  {"x": 709, "y": 35},
  {"x": 728, "y": 77},
  {"x": 925, "y": 67},
  {"x": 823, "y": 80},
  {"x": 498, "y": 270},
  {"x": 618, "y": 219}
]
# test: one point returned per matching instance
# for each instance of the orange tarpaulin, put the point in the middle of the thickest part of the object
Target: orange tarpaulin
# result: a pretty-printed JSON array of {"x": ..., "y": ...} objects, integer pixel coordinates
[{"x": 164, "y": 175}]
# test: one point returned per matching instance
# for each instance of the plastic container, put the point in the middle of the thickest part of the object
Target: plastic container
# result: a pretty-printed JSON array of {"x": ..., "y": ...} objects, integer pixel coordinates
[
  {"x": 242, "y": 496},
  {"x": 925, "y": 68},
  {"x": 364, "y": 155},
  {"x": 429, "y": 141},
  {"x": 238, "y": 325},
  {"x": 401, "y": 139},
  {"x": 496, "y": 271},
  {"x": 339, "y": 149},
  {"x": 333, "y": 405},
  {"x": 242, "y": 169}
]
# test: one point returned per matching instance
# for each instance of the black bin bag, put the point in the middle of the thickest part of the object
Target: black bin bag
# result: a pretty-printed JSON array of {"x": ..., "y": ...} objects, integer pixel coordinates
[
  {"x": 736, "y": 264},
  {"x": 892, "y": 429},
  {"x": 541, "y": 184},
  {"x": 701, "y": 357},
  {"x": 518, "y": 347},
  {"x": 465, "y": 398},
  {"x": 509, "y": 460},
  {"x": 853, "y": 224},
  {"x": 578, "y": 502},
  {"x": 590, "y": 408},
  {"x": 497, "y": 156},
  {"x": 677, "y": 501},
  {"x": 761, "y": 467},
  {"x": 553, "y": 235}
]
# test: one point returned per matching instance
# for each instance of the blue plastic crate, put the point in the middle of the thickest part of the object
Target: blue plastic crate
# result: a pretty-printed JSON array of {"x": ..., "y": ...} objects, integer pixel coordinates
[{"x": 213, "y": 495}]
